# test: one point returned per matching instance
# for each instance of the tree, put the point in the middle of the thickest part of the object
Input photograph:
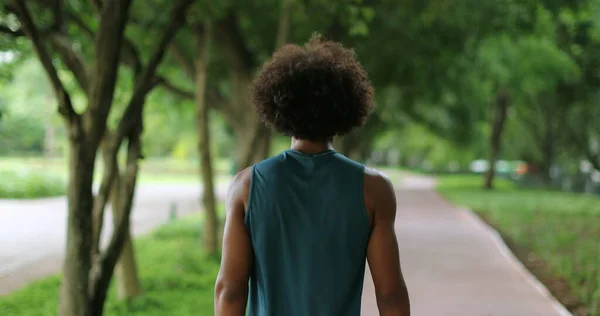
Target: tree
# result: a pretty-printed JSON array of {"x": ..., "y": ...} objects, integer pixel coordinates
[
  {"x": 88, "y": 270},
  {"x": 252, "y": 137},
  {"x": 578, "y": 35},
  {"x": 203, "y": 36}
]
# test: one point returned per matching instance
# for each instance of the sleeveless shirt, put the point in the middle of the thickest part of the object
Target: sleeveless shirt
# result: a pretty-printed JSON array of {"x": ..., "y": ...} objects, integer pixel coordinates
[{"x": 309, "y": 228}]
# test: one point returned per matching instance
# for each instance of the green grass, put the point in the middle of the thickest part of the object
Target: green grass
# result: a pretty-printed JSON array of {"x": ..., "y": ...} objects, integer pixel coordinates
[
  {"x": 37, "y": 177},
  {"x": 562, "y": 229},
  {"x": 23, "y": 184},
  {"x": 177, "y": 278}
]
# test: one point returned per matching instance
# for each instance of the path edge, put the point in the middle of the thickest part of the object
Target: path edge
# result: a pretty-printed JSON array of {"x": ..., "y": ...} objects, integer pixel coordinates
[{"x": 498, "y": 241}]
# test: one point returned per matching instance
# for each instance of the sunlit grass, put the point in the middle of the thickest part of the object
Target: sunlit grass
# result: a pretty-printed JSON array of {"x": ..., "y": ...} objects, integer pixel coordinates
[
  {"x": 25, "y": 184},
  {"x": 560, "y": 228},
  {"x": 37, "y": 177},
  {"x": 176, "y": 275}
]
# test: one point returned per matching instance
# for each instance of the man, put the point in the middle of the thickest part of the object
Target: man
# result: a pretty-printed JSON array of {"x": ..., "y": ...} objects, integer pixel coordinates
[{"x": 301, "y": 225}]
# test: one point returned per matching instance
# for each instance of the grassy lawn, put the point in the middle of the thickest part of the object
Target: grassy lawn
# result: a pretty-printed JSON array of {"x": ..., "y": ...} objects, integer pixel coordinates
[
  {"x": 560, "y": 230},
  {"x": 177, "y": 278},
  {"x": 36, "y": 177},
  {"x": 23, "y": 184}
]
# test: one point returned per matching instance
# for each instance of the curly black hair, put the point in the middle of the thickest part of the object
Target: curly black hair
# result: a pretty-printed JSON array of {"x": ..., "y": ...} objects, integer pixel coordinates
[{"x": 313, "y": 92}]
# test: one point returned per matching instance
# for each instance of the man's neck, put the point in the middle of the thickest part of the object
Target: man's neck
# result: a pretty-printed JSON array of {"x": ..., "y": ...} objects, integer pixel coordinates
[{"x": 311, "y": 147}]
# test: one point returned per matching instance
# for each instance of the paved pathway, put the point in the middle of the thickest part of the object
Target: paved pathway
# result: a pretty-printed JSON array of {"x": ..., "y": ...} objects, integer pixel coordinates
[
  {"x": 455, "y": 265},
  {"x": 33, "y": 232}
]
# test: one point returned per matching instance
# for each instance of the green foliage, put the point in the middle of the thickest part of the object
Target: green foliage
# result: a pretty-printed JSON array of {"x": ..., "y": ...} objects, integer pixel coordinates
[
  {"x": 21, "y": 134},
  {"x": 28, "y": 108},
  {"x": 559, "y": 228},
  {"x": 29, "y": 185},
  {"x": 177, "y": 278}
]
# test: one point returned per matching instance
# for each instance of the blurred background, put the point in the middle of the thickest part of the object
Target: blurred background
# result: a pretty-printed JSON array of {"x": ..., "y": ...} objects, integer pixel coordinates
[{"x": 496, "y": 101}]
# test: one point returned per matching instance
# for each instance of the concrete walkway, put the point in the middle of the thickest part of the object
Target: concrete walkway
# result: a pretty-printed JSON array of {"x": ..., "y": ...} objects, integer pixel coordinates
[
  {"x": 33, "y": 232},
  {"x": 456, "y": 265}
]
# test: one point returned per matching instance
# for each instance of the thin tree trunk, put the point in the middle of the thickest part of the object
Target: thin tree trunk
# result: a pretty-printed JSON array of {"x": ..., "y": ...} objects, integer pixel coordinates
[
  {"x": 127, "y": 279},
  {"x": 499, "y": 119},
  {"x": 211, "y": 222},
  {"x": 547, "y": 160},
  {"x": 264, "y": 146},
  {"x": 104, "y": 266},
  {"x": 548, "y": 143},
  {"x": 283, "y": 33}
]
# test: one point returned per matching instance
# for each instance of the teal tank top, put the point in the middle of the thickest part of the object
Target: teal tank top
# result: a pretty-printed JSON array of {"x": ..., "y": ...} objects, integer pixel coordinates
[{"x": 310, "y": 230}]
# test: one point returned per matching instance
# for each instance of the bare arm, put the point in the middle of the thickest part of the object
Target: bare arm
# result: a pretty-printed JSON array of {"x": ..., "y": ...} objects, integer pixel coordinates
[
  {"x": 231, "y": 289},
  {"x": 382, "y": 253}
]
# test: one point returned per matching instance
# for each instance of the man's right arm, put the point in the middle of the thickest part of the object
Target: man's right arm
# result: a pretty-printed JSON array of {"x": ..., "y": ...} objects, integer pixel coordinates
[{"x": 382, "y": 253}]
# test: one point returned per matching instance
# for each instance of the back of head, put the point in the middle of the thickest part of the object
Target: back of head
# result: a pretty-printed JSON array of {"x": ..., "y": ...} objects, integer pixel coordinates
[{"x": 314, "y": 92}]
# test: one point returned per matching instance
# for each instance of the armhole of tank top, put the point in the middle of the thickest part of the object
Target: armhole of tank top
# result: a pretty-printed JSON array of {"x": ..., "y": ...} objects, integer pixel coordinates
[
  {"x": 365, "y": 211},
  {"x": 250, "y": 195}
]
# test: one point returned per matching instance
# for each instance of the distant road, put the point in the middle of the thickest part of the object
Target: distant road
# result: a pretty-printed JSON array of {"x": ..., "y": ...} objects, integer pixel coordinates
[{"x": 33, "y": 232}]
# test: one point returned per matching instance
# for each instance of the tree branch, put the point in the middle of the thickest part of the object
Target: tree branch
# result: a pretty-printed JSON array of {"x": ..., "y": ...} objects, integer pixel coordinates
[
  {"x": 59, "y": 15},
  {"x": 235, "y": 46},
  {"x": 129, "y": 55},
  {"x": 105, "y": 264},
  {"x": 189, "y": 95},
  {"x": 72, "y": 59},
  {"x": 131, "y": 125},
  {"x": 283, "y": 32},
  {"x": 111, "y": 171},
  {"x": 108, "y": 43},
  {"x": 81, "y": 25},
  {"x": 65, "y": 106},
  {"x": 14, "y": 33},
  {"x": 185, "y": 62},
  {"x": 146, "y": 80},
  {"x": 61, "y": 43}
]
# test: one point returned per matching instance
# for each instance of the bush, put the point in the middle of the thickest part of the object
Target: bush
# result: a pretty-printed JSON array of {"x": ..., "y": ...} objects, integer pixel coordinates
[{"x": 28, "y": 185}]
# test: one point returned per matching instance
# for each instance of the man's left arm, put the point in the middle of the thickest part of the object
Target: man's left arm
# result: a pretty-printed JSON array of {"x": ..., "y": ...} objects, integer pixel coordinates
[{"x": 231, "y": 289}]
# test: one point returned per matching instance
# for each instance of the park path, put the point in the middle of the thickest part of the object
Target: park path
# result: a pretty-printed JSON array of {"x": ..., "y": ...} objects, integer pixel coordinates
[
  {"x": 456, "y": 265},
  {"x": 33, "y": 232}
]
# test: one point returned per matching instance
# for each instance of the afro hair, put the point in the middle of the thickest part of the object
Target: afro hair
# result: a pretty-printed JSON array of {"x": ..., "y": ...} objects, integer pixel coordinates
[{"x": 315, "y": 92}]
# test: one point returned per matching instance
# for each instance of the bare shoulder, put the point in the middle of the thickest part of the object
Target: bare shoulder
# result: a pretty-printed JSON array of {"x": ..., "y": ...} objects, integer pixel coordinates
[
  {"x": 379, "y": 193},
  {"x": 376, "y": 180},
  {"x": 239, "y": 188}
]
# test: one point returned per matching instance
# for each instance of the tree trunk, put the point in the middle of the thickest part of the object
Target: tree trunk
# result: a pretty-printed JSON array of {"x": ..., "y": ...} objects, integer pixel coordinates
[
  {"x": 87, "y": 273},
  {"x": 547, "y": 160},
  {"x": 246, "y": 128},
  {"x": 127, "y": 279},
  {"x": 264, "y": 146},
  {"x": 548, "y": 142},
  {"x": 104, "y": 265},
  {"x": 211, "y": 222},
  {"x": 74, "y": 285},
  {"x": 499, "y": 119},
  {"x": 283, "y": 33}
]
